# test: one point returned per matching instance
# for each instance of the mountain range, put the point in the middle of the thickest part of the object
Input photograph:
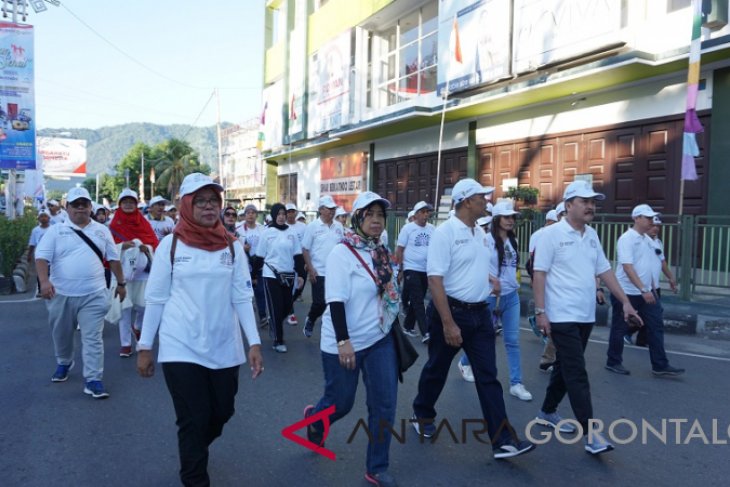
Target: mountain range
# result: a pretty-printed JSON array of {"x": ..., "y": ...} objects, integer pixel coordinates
[{"x": 106, "y": 146}]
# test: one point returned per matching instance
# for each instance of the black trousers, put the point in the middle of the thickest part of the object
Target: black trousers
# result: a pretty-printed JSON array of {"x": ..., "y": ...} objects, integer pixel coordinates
[
  {"x": 279, "y": 304},
  {"x": 204, "y": 401},
  {"x": 415, "y": 285},
  {"x": 318, "y": 302},
  {"x": 569, "y": 371}
]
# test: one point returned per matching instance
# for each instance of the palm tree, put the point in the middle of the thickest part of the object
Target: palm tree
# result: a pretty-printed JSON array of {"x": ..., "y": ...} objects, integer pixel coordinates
[{"x": 177, "y": 160}]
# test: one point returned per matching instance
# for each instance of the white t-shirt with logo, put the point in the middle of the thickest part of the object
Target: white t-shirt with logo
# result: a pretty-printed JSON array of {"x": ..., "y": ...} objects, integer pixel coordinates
[
  {"x": 415, "y": 240},
  {"x": 251, "y": 236},
  {"x": 635, "y": 249},
  {"x": 508, "y": 272},
  {"x": 75, "y": 268},
  {"x": 319, "y": 240},
  {"x": 461, "y": 255},
  {"x": 351, "y": 284},
  {"x": 299, "y": 229},
  {"x": 199, "y": 323},
  {"x": 278, "y": 248},
  {"x": 571, "y": 262},
  {"x": 161, "y": 227}
]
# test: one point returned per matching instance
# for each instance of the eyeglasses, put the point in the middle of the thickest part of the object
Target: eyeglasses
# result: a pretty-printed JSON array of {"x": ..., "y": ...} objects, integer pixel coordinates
[
  {"x": 202, "y": 202},
  {"x": 79, "y": 204},
  {"x": 229, "y": 213}
]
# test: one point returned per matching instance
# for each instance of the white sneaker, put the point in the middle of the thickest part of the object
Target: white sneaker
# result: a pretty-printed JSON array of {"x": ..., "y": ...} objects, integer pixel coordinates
[
  {"x": 280, "y": 348},
  {"x": 466, "y": 372},
  {"x": 519, "y": 391},
  {"x": 292, "y": 320}
]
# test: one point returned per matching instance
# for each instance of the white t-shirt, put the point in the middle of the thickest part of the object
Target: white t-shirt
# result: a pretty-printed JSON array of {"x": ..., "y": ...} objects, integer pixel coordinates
[
  {"x": 572, "y": 261},
  {"x": 319, "y": 240},
  {"x": 460, "y": 255},
  {"x": 384, "y": 237},
  {"x": 508, "y": 272},
  {"x": 199, "y": 322},
  {"x": 36, "y": 234},
  {"x": 415, "y": 239},
  {"x": 637, "y": 250},
  {"x": 251, "y": 236},
  {"x": 349, "y": 282},
  {"x": 299, "y": 229},
  {"x": 534, "y": 238},
  {"x": 75, "y": 269},
  {"x": 278, "y": 248},
  {"x": 59, "y": 217},
  {"x": 161, "y": 227},
  {"x": 656, "y": 268}
]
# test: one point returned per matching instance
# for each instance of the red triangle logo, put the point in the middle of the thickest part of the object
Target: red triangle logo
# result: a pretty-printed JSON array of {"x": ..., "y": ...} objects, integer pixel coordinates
[{"x": 323, "y": 416}]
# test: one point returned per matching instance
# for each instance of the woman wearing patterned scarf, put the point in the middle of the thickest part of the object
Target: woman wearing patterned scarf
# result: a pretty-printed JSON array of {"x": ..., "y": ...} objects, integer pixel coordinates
[
  {"x": 362, "y": 295},
  {"x": 279, "y": 258}
]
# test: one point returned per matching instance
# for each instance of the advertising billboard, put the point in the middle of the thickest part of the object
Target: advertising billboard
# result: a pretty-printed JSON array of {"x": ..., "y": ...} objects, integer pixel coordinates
[
  {"x": 17, "y": 97},
  {"x": 62, "y": 157},
  {"x": 329, "y": 85},
  {"x": 343, "y": 178}
]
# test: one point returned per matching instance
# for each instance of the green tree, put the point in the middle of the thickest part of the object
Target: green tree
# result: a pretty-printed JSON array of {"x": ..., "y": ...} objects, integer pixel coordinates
[{"x": 175, "y": 159}]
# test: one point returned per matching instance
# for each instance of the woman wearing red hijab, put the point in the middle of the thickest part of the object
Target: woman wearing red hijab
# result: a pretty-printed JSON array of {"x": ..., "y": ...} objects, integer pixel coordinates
[
  {"x": 137, "y": 239},
  {"x": 199, "y": 297}
]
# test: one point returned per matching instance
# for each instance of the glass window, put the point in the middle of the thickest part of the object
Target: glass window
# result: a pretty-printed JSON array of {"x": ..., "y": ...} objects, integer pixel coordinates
[
  {"x": 408, "y": 60},
  {"x": 408, "y": 27}
]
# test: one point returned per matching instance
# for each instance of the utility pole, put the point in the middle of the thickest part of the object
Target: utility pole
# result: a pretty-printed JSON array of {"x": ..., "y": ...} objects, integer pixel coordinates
[
  {"x": 220, "y": 146},
  {"x": 141, "y": 197}
]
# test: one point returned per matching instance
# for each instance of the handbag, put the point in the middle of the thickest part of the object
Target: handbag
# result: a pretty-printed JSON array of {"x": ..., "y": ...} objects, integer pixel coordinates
[
  {"x": 285, "y": 278},
  {"x": 405, "y": 352}
]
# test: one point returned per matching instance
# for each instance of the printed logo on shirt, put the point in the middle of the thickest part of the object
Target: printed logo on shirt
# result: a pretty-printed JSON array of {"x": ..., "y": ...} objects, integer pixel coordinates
[
  {"x": 567, "y": 244},
  {"x": 422, "y": 239},
  {"x": 226, "y": 258},
  {"x": 594, "y": 244},
  {"x": 99, "y": 234},
  {"x": 462, "y": 241},
  {"x": 249, "y": 285},
  {"x": 182, "y": 259}
]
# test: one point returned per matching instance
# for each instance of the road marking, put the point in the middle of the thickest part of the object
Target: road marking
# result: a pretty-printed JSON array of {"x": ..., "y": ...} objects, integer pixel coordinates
[{"x": 685, "y": 354}]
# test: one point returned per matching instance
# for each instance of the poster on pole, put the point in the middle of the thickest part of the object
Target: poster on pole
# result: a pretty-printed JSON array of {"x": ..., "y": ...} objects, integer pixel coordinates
[
  {"x": 17, "y": 97},
  {"x": 62, "y": 157}
]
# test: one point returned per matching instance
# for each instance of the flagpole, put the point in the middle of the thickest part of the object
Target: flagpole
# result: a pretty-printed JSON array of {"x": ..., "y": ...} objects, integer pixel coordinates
[{"x": 441, "y": 139}]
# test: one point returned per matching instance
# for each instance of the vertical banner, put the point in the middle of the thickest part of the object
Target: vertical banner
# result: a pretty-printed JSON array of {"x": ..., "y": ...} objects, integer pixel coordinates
[
  {"x": 329, "y": 86},
  {"x": 17, "y": 98},
  {"x": 343, "y": 178},
  {"x": 297, "y": 74}
]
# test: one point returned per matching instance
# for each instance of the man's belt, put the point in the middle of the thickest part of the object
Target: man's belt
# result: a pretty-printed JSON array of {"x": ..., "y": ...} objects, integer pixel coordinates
[{"x": 464, "y": 305}]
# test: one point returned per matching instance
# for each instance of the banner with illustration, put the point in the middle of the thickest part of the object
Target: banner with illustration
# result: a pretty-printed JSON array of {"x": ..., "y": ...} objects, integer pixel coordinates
[
  {"x": 473, "y": 43},
  {"x": 343, "y": 178},
  {"x": 62, "y": 157},
  {"x": 17, "y": 97}
]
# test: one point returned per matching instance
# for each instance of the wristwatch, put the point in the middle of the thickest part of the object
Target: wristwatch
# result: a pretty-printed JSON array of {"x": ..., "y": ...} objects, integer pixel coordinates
[
  {"x": 121, "y": 284},
  {"x": 645, "y": 290},
  {"x": 539, "y": 311},
  {"x": 342, "y": 343}
]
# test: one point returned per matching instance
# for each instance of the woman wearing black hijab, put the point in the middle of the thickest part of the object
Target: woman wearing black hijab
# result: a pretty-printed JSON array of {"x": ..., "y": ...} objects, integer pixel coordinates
[{"x": 280, "y": 254}]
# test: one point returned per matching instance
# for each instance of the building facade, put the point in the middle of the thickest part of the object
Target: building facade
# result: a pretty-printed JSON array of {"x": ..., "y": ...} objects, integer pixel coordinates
[
  {"x": 243, "y": 167},
  {"x": 532, "y": 93}
]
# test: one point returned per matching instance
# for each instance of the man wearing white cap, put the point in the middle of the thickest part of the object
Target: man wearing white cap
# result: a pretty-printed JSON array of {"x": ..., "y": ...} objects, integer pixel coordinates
[
  {"x": 635, "y": 274},
  {"x": 299, "y": 228},
  {"x": 75, "y": 288},
  {"x": 341, "y": 215},
  {"x": 58, "y": 214},
  {"x": 458, "y": 271},
  {"x": 161, "y": 224},
  {"x": 320, "y": 238},
  {"x": 411, "y": 253},
  {"x": 568, "y": 258}
]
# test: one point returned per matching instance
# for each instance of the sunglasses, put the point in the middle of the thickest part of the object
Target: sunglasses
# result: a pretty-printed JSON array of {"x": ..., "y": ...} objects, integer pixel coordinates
[
  {"x": 229, "y": 213},
  {"x": 80, "y": 204}
]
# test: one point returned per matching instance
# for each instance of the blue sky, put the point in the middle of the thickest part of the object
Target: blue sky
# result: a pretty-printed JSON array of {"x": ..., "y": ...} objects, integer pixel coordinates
[{"x": 82, "y": 81}]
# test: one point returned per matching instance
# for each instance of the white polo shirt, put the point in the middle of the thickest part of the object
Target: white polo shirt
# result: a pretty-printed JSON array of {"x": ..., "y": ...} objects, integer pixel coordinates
[
  {"x": 415, "y": 240},
  {"x": 572, "y": 261},
  {"x": 637, "y": 250},
  {"x": 299, "y": 228},
  {"x": 36, "y": 234},
  {"x": 508, "y": 272},
  {"x": 75, "y": 268},
  {"x": 658, "y": 261},
  {"x": 59, "y": 217},
  {"x": 350, "y": 283},
  {"x": 460, "y": 255},
  {"x": 319, "y": 239},
  {"x": 278, "y": 248},
  {"x": 534, "y": 238},
  {"x": 161, "y": 227}
]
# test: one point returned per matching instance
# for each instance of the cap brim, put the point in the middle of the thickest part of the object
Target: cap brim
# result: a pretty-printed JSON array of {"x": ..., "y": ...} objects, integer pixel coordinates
[
  {"x": 385, "y": 203},
  {"x": 204, "y": 185}
]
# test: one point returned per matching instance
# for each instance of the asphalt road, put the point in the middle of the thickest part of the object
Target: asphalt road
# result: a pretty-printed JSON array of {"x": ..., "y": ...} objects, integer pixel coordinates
[{"x": 53, "y": 434}]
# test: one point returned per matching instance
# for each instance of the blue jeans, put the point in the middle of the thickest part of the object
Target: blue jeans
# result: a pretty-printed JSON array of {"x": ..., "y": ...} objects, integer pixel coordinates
[
  {"x": 477, "y": 334},
  {"x": 380, "y": 375},
  {"x": 509, "y": 305},
  {"x": 652, "y": 316}
]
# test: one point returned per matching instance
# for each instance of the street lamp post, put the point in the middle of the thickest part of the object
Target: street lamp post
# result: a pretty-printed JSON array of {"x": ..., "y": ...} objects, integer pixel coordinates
[{"x": 126, "y": 176}]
